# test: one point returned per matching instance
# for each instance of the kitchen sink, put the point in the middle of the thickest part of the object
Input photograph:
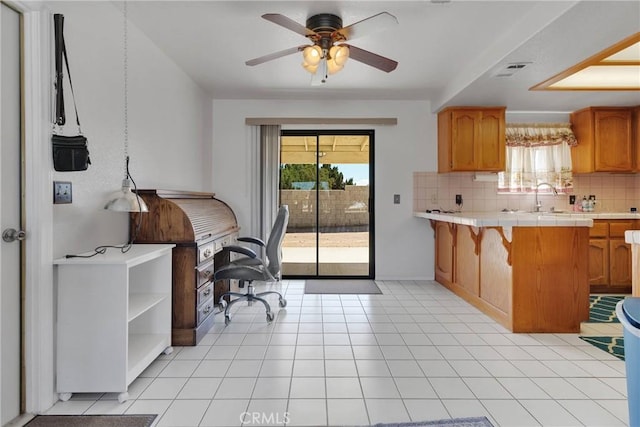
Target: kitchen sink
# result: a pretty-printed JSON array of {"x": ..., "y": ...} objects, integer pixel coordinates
[{"x": 558, "y": 212}]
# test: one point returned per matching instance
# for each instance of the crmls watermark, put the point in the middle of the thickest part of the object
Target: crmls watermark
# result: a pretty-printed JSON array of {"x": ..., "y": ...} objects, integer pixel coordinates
[{"x": 260, "y": 418}]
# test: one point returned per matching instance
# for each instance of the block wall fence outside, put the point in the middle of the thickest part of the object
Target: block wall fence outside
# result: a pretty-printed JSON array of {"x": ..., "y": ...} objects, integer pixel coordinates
[
  {"x": 339, "y": 208},
  {"x": 614, "y": 193}
]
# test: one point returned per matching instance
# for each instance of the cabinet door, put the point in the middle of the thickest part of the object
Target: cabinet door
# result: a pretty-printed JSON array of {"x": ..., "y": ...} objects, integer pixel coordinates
[
  {"x": 444, "y": 253},
  {"x": 496, "y": 274},
  {"x": 490, "y": 146},
  {"x": 612, "y": 130},
  {"x": 467, "y": 261},
  {"x": 620, "y": 259},
  {"x": 464, "y": 134},
  {"x": 598, "y": 262}
]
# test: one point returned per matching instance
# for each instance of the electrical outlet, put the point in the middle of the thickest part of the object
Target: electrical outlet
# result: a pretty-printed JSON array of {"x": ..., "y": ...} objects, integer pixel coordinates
[
  {"x": 61, "y": 192},
  {"x": 396, "y": 199},
  {"x": 572, "y": 199},
  {"x": 459, "y": 199}
]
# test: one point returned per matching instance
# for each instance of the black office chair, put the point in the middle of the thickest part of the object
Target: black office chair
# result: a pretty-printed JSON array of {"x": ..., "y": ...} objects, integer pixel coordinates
[{"x": 250, "y": 267}]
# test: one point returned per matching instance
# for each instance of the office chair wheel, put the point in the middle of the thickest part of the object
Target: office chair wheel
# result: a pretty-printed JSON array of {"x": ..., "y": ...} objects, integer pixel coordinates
[
  {"x": 270, "y": 316},
  {"x": 282, "y": 302},
  {"x": 227, "y": 319}
]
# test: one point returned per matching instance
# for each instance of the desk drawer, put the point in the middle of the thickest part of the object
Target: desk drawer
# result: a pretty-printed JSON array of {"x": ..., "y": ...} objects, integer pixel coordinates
[
  {"x": 205, "y": 252},
  {"x": 219, "y": 244},
  {"x": 204, "y": 292},
  {"x": 204, "y": 273},
  {"x": 205, "y": 310}
]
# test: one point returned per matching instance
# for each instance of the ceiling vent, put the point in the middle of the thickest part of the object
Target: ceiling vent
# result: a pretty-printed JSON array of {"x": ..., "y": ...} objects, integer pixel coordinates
[{"x": 510, "y": 69}]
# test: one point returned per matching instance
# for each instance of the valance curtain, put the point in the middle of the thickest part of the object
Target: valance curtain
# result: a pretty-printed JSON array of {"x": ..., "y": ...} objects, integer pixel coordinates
[{"x": 537, "y": 153}]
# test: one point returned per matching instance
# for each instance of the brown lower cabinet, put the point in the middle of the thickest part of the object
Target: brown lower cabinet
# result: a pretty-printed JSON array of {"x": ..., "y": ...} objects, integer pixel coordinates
[
  {"x": 610, "y": 256},
  {"x": 529, "y": 279},
  {"x": 444, "y": 251}
]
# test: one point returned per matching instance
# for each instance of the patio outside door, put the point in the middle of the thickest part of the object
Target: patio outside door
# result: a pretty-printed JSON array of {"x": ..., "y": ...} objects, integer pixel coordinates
[{"x": 326, "y": 178}]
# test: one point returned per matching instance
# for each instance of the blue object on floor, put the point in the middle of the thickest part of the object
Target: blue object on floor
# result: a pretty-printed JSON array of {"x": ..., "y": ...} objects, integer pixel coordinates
[{"x": 628, "y": 311}]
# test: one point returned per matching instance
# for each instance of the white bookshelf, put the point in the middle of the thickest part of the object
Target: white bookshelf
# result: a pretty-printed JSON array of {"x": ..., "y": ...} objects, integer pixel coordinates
[{"x": 113, "y": 318}]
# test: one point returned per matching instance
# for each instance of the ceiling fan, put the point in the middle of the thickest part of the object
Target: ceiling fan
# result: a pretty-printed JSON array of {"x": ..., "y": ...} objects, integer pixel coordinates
[{"x": 328, "y": 52}]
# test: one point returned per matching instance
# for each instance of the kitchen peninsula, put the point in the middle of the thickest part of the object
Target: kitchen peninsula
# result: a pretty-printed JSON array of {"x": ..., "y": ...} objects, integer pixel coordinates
[{"x": 527, "y": 271}]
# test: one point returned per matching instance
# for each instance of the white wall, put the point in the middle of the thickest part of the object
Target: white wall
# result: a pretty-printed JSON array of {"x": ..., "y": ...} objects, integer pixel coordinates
[
  {"x": 169, "y": 124},
  {"x": 404, "y": 244},
  {"x": 170, "y": 147}
]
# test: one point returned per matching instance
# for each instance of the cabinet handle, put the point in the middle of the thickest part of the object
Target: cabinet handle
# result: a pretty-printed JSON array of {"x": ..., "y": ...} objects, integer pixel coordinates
[
  {"x": 207, "y": 292},
  {"x": 206, "y": 310},
  {"x": 207, "y": 273},
  {"x": 207, "y": 253}
]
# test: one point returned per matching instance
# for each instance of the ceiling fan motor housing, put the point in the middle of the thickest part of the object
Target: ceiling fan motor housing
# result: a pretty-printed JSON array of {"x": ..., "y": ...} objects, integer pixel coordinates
[{"x": 324, "y": 23}]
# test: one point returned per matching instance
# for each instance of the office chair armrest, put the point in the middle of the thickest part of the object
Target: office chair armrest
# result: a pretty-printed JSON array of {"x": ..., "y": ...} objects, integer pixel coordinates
[
  {"x": 253, "y": 240},
  {"x": 241, "y": 250}
]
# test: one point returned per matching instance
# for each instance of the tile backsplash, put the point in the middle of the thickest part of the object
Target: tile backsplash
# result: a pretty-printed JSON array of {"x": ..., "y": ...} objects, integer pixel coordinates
[{"x": 614, "y": 193}]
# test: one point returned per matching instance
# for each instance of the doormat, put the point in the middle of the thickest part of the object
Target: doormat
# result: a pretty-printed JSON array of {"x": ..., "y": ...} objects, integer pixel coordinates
[
  {"x": 92, "y": 420},
  {"x": 612, "y": 345},
  {"x": 454, "y": 422},
  {"x": 341, "y": 286},
  {"x": 602, "y": 308}
]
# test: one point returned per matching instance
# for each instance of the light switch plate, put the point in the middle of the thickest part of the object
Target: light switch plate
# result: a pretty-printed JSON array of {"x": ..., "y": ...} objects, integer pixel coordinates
[
  {"x": 396, "y": 199},
  {"x": 61, "y": 192}
]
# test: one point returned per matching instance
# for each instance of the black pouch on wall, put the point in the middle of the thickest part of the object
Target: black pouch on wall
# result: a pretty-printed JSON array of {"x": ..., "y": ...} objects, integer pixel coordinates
[{"x": 70, "y": 153}]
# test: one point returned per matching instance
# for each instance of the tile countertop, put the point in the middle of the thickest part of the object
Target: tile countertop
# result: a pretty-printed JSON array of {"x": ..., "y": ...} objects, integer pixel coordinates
[{"x": 528, "y": 219}]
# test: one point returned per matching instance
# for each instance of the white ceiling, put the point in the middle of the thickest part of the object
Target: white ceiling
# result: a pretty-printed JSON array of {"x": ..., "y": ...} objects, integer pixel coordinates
[{"x": 447, "y": 53}]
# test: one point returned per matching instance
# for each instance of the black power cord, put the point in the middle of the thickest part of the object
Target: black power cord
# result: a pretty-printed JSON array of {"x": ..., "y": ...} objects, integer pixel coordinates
[{"x": 101, "y": 250}]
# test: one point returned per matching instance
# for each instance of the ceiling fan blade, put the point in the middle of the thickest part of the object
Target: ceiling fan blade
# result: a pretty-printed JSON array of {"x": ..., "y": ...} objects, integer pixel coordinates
[
  {"x": 288, "y": 23},
  {"x": 274, "y": 55},
  {"x": 368, "y": 25},
  {"x": 374, "y": 60}
]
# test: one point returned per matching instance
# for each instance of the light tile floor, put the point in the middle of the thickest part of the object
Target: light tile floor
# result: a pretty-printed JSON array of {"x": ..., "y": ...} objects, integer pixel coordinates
[{"x": 417, "y": 352}]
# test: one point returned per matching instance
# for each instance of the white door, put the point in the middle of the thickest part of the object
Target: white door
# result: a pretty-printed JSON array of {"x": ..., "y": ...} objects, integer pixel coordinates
[{"x": 10, "y": 214}]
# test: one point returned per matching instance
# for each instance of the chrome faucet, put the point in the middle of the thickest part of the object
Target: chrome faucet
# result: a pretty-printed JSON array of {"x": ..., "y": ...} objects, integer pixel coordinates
[{"x": 538, "y": 204}]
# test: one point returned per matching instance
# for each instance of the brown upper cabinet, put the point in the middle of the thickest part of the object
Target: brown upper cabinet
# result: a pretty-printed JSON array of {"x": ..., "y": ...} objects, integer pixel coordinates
[
  {"x": 605, "y": 140},
  {"x": 471, "y": 139}
]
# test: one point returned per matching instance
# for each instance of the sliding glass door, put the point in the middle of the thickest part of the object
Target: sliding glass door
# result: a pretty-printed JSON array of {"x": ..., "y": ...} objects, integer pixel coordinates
[{"x": 326, "y": 178}]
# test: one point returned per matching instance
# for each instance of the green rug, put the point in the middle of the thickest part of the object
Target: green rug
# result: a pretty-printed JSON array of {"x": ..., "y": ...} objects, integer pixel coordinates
[
  {"x": 602, "y": 308},
  {"x": 612, "y": 345}
]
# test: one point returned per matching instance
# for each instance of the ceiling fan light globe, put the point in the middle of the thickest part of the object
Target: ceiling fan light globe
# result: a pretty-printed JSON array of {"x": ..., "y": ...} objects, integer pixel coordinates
[
  {"x": 310, "y": 68},
  {"x": 312, "y": 55},
  {"x": 333, "y": 67},
  {"x": 339, "y": 54}
]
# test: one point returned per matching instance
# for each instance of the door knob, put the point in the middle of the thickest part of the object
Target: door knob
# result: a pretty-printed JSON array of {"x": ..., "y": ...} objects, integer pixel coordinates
[{"x": 10, "y": 235}]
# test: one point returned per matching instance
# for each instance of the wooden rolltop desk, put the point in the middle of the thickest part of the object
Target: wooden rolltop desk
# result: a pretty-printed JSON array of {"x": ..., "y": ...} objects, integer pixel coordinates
[{"x": 200, "y": 225}]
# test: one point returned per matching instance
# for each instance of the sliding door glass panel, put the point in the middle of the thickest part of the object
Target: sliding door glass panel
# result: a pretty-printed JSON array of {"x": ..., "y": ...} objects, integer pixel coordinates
[
  {"x": 343, "y": 214},
  {"x": 324, "y": 178},
  {"x": 298, "y": 180}
]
